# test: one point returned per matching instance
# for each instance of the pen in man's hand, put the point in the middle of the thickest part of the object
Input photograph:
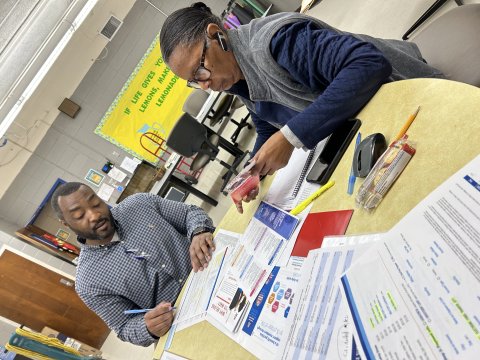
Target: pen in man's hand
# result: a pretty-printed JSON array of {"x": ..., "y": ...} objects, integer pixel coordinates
[{"x": 139, "y": 311}]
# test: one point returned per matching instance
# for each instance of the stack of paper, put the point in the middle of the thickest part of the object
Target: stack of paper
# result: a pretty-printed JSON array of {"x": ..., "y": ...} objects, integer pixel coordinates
[
  {"x": 322, "y": 327},
  {"x": 417, "y": 292}
]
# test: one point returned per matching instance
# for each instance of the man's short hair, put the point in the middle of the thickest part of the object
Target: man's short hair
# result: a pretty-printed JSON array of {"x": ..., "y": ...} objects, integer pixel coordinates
[{"x": 64, "y": 190}]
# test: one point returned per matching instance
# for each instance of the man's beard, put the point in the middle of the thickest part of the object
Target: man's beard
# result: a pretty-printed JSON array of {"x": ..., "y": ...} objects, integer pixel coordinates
[{"x": 94, "y": 235}]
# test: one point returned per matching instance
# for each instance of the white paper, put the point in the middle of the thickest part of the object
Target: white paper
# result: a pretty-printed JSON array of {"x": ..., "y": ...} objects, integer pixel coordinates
[
  {"x": 417, "y": 293},
  {"x": 105, "y": 192},
  {"x": 260, "y": 247},
  {"x": 200, "y": 286},
  {"x": 117, "y": 174},
  {"x": 130, "y": 164},
  {"x": 229, "y": 305},
  {"x": 281, "y": 191},
  {"x": 322, "y": 327},
  {"x": 171, "y": 356}
]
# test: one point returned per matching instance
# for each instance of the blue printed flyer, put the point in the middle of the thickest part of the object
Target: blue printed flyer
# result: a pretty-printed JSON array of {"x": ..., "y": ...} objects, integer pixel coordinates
[{"x": 280, "y": 221}]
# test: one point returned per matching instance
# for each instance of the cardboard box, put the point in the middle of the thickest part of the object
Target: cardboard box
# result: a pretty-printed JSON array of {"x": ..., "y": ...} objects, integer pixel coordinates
[{"x": 82, "y": 348}]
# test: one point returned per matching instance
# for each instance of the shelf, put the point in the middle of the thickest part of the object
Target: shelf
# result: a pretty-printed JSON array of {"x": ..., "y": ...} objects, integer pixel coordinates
[{"x": 26, "y": 233}]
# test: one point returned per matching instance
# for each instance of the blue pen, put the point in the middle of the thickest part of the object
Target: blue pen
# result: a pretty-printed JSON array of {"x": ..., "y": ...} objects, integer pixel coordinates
[
  {"x": 352, "y": 177},
  {"x": 139, "y": 311}
]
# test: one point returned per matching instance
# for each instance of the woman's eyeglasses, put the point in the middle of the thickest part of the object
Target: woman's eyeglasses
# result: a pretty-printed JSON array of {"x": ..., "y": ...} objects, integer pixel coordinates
[{"x": 201, "y": 74}]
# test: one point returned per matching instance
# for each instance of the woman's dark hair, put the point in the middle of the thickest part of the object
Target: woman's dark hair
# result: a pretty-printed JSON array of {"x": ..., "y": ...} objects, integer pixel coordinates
[{"x": 186, "y": 26}]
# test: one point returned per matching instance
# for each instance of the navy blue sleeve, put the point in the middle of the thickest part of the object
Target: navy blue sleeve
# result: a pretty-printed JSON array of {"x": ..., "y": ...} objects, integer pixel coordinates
[
  {"x": 348, "y": 71},
  {"x": 264, "y": 131}
]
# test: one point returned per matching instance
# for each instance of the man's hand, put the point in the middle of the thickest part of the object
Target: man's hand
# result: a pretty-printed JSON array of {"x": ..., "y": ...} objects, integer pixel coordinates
[
  {"x": 252, "y": 195},
  {"x": 273, "y": 155},
  {"x": 201, "y": 250},
  {"x": 159, "y": 319}
]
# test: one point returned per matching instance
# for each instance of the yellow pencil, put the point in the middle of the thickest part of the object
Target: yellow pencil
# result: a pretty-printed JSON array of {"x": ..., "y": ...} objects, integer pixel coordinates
[
  {"x": 407, "y": 125},
  {"x": 300, "y": 207}
]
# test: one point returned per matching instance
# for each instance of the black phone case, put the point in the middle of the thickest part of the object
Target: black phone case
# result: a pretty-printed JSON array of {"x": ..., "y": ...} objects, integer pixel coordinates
[{"x": 322, "y": 170}]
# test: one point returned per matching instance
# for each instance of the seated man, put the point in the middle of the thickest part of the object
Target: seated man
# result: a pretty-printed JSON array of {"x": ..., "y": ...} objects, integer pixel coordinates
[{"x": 136, "y": 255}]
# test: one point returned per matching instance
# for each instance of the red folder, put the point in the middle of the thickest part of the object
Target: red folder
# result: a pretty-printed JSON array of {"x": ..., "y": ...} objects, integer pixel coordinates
[{"x": 317, "y": 226}]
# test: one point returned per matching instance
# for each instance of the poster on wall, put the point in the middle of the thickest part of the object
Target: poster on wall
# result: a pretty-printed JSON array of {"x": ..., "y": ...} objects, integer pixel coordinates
[
  {"x": 146, "y": 108},
  {"x": 94, "y": 177}
]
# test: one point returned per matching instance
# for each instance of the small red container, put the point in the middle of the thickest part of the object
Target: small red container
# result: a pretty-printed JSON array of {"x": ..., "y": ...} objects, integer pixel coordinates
[
  {"x": 242, "y": 184},
  {"x": 243, "y": 188}
]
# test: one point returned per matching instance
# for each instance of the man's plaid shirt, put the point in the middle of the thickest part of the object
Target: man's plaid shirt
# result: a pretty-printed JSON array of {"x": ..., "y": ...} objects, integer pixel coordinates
[{"x": 148, "y": 265}]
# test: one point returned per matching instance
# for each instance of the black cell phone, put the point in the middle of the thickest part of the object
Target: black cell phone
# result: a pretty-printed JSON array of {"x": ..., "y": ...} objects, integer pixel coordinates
[{"x": 333, "y": 151}]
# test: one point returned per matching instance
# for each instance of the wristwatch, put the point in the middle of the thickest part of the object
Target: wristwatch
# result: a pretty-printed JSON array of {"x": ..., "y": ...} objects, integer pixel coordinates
[{"x": 200, "y": 230}]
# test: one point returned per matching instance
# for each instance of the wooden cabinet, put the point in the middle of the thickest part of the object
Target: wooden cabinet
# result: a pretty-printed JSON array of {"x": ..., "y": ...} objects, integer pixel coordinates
[{"x": 35, "y": 296}]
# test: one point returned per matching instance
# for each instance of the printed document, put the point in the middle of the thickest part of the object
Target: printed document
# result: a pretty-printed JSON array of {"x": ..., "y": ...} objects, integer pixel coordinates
[
  {"x": 416, "y": 294},
  {"x": 259, "y": 327},
  {"x": 201, "y": 286},
  {"x": 261, "y": 246},
  {"x": 322, "y": 327}
]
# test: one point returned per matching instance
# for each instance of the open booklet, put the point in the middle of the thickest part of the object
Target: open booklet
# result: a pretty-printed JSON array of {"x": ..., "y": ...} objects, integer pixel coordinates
[
  {"x": 201, "y": 286},
  {"x": 321, "y": 327}
]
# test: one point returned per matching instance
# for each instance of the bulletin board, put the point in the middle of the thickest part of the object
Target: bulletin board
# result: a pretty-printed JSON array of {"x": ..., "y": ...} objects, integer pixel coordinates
[{"x": 149, "y": 103}]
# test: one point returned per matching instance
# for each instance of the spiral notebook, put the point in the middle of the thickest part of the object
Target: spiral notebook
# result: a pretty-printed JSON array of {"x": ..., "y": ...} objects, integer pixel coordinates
[
  {"x": 289, "y": 187},
  {"x": 303, "y": 174}
]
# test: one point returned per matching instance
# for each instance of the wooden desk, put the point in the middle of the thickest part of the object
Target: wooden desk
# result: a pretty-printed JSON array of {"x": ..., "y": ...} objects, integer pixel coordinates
[{"x": 447, "y": 133}]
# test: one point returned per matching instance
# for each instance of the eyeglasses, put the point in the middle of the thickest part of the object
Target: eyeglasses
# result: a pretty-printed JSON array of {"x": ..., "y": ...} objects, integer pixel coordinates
[{"x": 201, "y": 74}]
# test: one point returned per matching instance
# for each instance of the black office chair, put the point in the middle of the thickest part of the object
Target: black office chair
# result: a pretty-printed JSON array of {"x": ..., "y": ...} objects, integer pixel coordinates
[
  {"x": 195, "y": 101},
  {"x": 189, "y": 137},
  {"x": 223, "y": 110},
  {"x": 197, "y": 98}
]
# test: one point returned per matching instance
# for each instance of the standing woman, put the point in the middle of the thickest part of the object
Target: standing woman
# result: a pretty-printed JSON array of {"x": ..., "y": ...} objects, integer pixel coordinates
[{"x": 299, "y": 77}]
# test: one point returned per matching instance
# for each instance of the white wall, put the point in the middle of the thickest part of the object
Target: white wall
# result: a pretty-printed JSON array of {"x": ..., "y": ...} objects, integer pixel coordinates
[
  {"x": 40, "y": 111},
  {"x": 385, "y": 19}
]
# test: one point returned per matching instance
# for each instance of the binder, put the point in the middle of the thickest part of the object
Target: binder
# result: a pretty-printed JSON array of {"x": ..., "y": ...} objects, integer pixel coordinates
[{"x": 259, "y": 8}]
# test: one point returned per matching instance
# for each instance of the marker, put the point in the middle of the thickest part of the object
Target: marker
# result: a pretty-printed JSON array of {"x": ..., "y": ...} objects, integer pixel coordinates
[
  {"x": 298, "y": 209},
  {"x": 139, "y": 311}
]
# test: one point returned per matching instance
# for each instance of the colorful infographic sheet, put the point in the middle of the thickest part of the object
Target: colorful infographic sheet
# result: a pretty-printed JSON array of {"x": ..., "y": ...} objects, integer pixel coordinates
[
  {"x": 258, "y": 326},
  {"x": 261, "y": 247}
]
